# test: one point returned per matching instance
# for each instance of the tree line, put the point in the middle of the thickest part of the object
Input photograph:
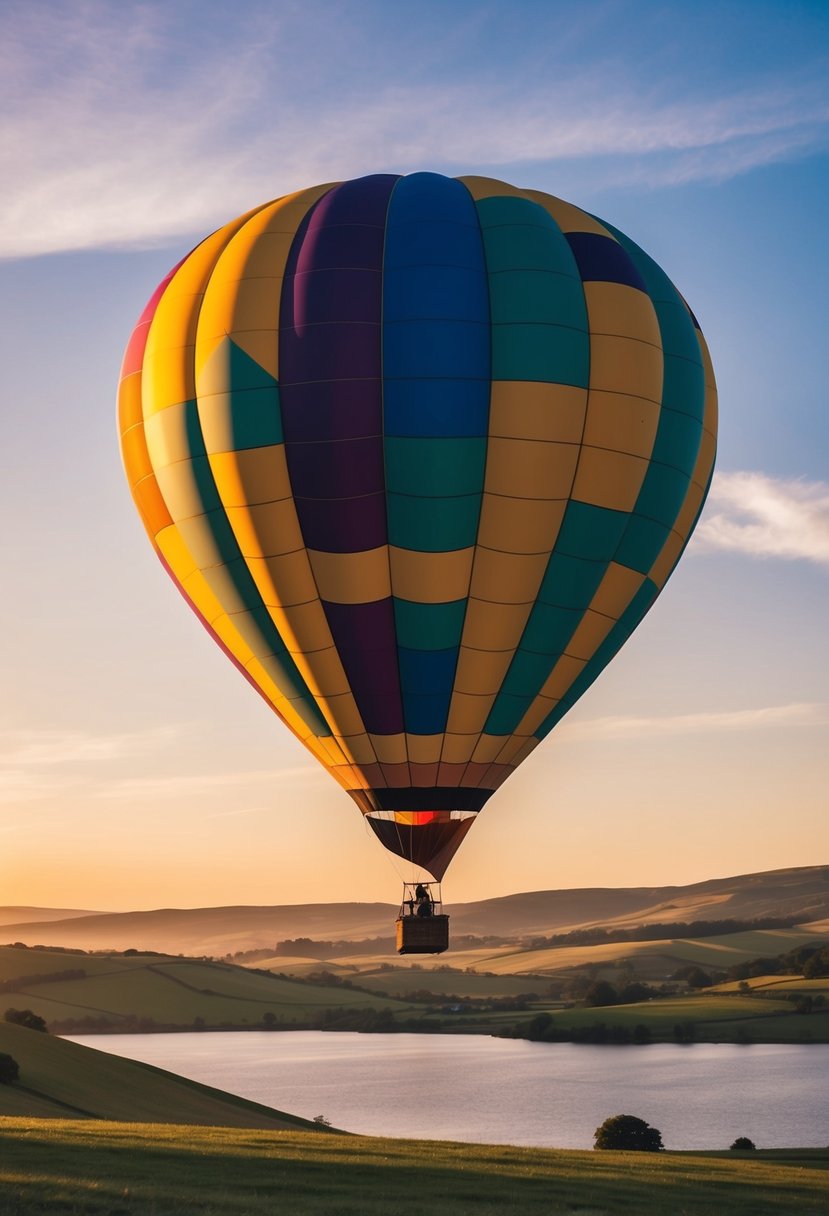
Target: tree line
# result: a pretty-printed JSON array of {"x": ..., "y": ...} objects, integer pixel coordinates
[
  {"x": 659, "y": 931},
  {"x": 812, "y": 962}
]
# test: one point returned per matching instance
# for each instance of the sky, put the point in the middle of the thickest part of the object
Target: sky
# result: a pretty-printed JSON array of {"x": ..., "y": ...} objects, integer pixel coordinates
[{"x": 137, "y": 769}]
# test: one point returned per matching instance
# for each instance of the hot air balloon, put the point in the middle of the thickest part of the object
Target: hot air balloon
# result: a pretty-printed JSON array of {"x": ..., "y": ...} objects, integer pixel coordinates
[{"x": 420, "y": 453}]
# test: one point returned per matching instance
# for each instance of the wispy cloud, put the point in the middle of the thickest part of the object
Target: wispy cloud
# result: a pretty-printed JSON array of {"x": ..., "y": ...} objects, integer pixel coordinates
[
  {"x": 194, "y": 785},
  {"x": 19, "y": 785},
  {"x": 37, "y": 764},
  {"x": 38, "y": 748},
  {"x": 767, "y": 517},
  {"x": 798, "y": 714},
  {"x": 121, "y": 139},
  {"x": 244, "y": 810}
]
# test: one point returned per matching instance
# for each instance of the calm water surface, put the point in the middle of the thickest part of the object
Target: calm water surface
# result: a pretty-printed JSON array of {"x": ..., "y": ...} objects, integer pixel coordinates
[{"x": 475, "y": 1088}]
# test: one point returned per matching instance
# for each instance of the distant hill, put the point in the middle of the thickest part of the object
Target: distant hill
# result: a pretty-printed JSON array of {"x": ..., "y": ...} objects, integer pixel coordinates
[
  {"x": 65, "y": 1080},
  {"x": 213, "y": 931},
  {"x": 19, "y": 915},
  {"x": 801, "y": 893}
]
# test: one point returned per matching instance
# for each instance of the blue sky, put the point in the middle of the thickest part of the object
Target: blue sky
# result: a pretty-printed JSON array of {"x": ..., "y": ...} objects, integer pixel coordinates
[{"x": 136, "y": 768}]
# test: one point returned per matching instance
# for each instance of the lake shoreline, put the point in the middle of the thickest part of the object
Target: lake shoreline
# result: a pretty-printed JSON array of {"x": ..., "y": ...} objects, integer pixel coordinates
[
  {"x": 481, "y": 1089},
  {"x": 517, "y": 1033}
]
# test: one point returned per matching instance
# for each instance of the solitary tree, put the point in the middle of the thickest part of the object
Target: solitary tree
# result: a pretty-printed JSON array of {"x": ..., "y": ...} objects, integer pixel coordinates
[
  {"x": 628, "y": 1132},
  {"x": 743, "y": 1145},
  {"x": 9, "y": 1069}
]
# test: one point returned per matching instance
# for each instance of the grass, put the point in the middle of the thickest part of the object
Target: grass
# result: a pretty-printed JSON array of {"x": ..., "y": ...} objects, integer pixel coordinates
[
  {"x": 171, "y": 991},
  {"x": 762, "y": 984},
  {"x": 670, "y": 1010},
  {"x": 20, "y": 960},
  {"x": 115, "y": 1169},
  {"x": 652, "y": 959},
  {"x": 154, "y": 992},
  {"x": 401, "y": 981},
  {"x": 60, "y": 1080},
  {"x": 719, "y": 1017}
]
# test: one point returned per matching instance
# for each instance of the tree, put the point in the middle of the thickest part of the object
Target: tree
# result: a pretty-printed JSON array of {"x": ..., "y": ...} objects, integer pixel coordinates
[
  {"x": 817, "y": 966},
  {"x": 9, "y": 1069},
  {"x": 538, "y": 1027},
  {"x": 601, "y": 993},
  {"x": 633, "y": 993},
  {"x": 743, "y": 1145},
  {"x": 25, "y": 1017},
  {"x": 694, "y": 977},
  {"x": 628, "y": 1132}
]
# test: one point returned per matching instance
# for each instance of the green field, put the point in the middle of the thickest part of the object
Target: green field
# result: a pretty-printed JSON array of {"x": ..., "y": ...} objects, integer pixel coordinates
[
  {"x": 400, "y": 981},
  {"x": 170, "y": 991},
  {"x": 719, "y": 1015},
  {"x": 715, "y": 1019},
  {"x": 160, "y": 1145},
  {"x": 65, "y": 1080},
  {"x": 145, "y": 992},
  {"x": 653, "y": 960},
  {"x": 128, "y": 1169}
]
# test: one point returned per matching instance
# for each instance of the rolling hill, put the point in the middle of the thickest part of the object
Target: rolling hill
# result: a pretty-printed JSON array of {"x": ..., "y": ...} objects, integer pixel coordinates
[
  {"x": 801, "y": 894},
  {"x": 79, "y": 992},
  {"x": 13, "y": 915},
  {"x": 67, "y": 1081}
]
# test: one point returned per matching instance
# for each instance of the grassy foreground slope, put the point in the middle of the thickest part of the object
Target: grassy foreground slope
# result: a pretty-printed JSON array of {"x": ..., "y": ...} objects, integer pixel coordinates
[
  {"x": 105, "y": 1169},
  {"x": 65, "y": 1080}
]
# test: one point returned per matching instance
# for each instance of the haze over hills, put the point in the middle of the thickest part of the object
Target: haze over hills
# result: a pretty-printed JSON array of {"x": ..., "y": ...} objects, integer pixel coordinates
[
  {"x": 801, "y": 893},
  {"x": 13, "y": 915}
]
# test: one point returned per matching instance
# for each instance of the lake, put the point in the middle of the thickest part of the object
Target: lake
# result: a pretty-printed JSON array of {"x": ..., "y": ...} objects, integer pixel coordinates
[{"x": 501, "y": 1091}]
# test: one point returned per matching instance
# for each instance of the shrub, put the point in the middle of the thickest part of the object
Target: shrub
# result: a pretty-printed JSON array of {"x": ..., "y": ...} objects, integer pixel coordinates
[
  {"x": 743, "y": 1145},
  {"x": 9, "y": 1069},
  {"x": 25, "y": 1017},
  {"x": 628, "y": 1132}
]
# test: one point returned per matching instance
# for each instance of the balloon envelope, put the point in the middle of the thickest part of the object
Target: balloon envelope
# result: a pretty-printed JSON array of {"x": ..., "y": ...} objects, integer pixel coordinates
[{"x": 420, "y": 452}]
